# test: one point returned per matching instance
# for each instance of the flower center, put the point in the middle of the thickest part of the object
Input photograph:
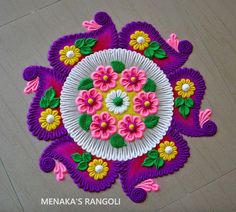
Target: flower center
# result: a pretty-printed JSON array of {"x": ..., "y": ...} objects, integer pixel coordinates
[
  {"x": 185, "y": 87},
  {"x": 105, "y": 77},
  {"x": 50, "y": 119},
  {"x": 90, "y": 101},
  {"x": 147, "y": 103},
  {"x": 168, "y": 150},
  {"x": 133, "y": 79},
  {"x": 70, "y": 54},
  {"x": 98, "y": 168},
  {"x": 140, "y": 39},
  {"x": 103, "y": 124},
  {"x": 118, "y": 101},
  {"x": 131, "y": 127}
]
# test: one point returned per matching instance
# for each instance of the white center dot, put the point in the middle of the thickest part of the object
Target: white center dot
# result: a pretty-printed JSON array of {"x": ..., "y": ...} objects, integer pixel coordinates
[
  {"x": 50, "y": 118},
  {"x": 168, "y": 150},
  {"x": 70, "y": 54},
  {"x": 140, "y": 39},
  {"x": 185, "y": 87},
  {"x": 98, "y": 168}
]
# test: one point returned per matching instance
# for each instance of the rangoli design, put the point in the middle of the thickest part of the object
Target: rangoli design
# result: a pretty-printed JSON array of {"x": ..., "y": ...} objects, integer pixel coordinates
[{"x": 116, "y": 105}]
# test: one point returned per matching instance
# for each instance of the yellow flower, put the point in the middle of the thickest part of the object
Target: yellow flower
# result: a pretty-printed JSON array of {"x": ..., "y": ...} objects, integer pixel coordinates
[
  {"x": 49, "y": 119},
  {"x": 70, "y": 55},
  {"x": 139, "y": 40},
  {"x": 185, "y": 88},
  {"x": 98, "y": 169},
  {"x": 168, "y": 150}
]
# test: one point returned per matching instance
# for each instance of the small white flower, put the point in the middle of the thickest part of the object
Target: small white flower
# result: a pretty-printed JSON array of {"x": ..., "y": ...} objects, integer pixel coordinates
[{"x": 117, "y": 101}]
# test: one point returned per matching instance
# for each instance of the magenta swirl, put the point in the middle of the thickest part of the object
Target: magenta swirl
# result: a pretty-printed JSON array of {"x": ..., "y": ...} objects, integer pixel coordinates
[
  {"x": 47, "y": 164},
  {"x": 102, "y": 18},
  {"x": 210, "y": 127},
  {"x": 185, "y": 47},
  {"x": 30, "y": 73},
  {"x": 138, "y": 195}
]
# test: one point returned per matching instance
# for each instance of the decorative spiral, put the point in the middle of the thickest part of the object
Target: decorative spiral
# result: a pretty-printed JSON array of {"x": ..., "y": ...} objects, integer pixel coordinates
[
  {"x": 30, "y": 73},
  {"x": 47, "y": 164},
  {"x": 185, "y": 47},
  {"x": 102, "y": 18},
  {"x": 210, "y": 128},
  {"x": 138, "y": 195}
]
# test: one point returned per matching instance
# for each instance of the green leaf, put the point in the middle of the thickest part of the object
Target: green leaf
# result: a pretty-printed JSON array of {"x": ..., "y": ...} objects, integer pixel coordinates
[
  {"x": 82, "y": 166},
  {"x": 90, "y": 42},
  {"x": 84, "y": 121},
  {"x": 179, "y": 101},
  {"x": 86, "y": 156},
  {"x": 189, "y": 102},
  {"x": 79, "y": 43},
  {"x": 85, "y": 84},
  {"x": 151, "y": 121},
  {"x": 159, "y": 162},
  {"x": 160, "y": 54},
  {"x": 153, "y": 154},
  {"x": 148, "y": 162},
  {"x": 86, "y": 50},
  {"x": 44, "y": 103},
  {"x": 117, "y": 141},
  {"x": 54, "y": 103},
  {"x": 50, "y": 94},
  {"x": 154, "y": 45},
  {"x": 150, "y": 86},
  {"x": 184, "y": 111},
  {"x": 149, "y": 52},
  {"x": 118, "y": 66},
  {"x": 76, "y": 157}
]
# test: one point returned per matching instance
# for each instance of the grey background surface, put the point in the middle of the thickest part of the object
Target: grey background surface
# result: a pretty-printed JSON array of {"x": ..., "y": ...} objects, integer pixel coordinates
[{"x": 208, "y": 180}]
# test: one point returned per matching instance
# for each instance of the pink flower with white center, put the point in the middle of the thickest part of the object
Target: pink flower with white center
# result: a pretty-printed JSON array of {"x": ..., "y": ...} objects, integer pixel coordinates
[
  {"x": 146, "y": 103},
  {"x": 103, "y": 126},
  {"x": 89, "y": 101},
  {"x": 133, "y": 79},
  {"x": 131, "y": 127},
  {"x": 104, "y": 78}
]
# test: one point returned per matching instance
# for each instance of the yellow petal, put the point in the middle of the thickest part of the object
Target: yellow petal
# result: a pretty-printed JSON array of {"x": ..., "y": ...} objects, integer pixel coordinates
[
  {"x": 178, "y": 88},
  {"x": 91, "y": 174},
  {"x": 133, "y": 36},
  {"x": 136, "y": 46},
  {"x": 66, "y": 48}
]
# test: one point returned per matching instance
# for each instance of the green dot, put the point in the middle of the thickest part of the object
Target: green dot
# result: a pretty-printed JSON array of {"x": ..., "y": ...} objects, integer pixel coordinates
[{"x": 118, "y": 101}]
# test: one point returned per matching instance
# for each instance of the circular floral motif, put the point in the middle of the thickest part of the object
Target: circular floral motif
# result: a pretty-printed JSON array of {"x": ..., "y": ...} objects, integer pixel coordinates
[
  {"x": 89, "y": 101},
  {"x": 139, "y": 40},
  {"x": 104, "y": 78},
  {"x": 117, "y": 101},
  {"x": 185, "y": 88},
  {"x": 70, "y": 55},
  {"x": 146, "y": 103},
  {"x": 168, "y": 150},
  {"x": 133, "y": 79},
  {"x": 103, "y": 126},
  {"x": 98, "y": 169},
  {"x": 131, "y": 127},
  {"x": 49, "y": 119}
]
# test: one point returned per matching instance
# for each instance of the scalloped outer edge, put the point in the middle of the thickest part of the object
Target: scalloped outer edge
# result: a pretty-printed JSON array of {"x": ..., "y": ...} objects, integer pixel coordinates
[
  {"x": 185, "y": 47},
  {"x": 177, "y": 164},
  {"x": 74, "y": 173},
  {"x": 209, "y": 128},
  {"x": 31, "y": 73},
  {"x": 101, "y": 18}
]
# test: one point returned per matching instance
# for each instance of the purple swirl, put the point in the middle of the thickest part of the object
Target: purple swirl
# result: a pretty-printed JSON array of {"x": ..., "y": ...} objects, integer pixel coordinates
[
  {"x": 47, "y": 164},
  {"x": 30, "y": 73},
  {"x": 185, "y": 47},
  {"x": 210, "y": 128},
  {"x": 102, "y": 18},
  {"x": 138, "y": 195}
]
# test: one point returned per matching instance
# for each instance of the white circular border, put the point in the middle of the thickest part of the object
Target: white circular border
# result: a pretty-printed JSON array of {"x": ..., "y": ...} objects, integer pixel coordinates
[{"x": 104, "y": 149}]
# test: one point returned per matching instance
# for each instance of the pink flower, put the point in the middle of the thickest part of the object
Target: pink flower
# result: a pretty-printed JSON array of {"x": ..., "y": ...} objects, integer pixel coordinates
[
  {"x": 133, "y": 79},
  {"x": 146, "y": 103},
  {"x": 131, "y": 127},
  {"x": 89, "y": 101},
  {"x": 104, "y": 78},
  {"x": 103, "y": 126}
]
